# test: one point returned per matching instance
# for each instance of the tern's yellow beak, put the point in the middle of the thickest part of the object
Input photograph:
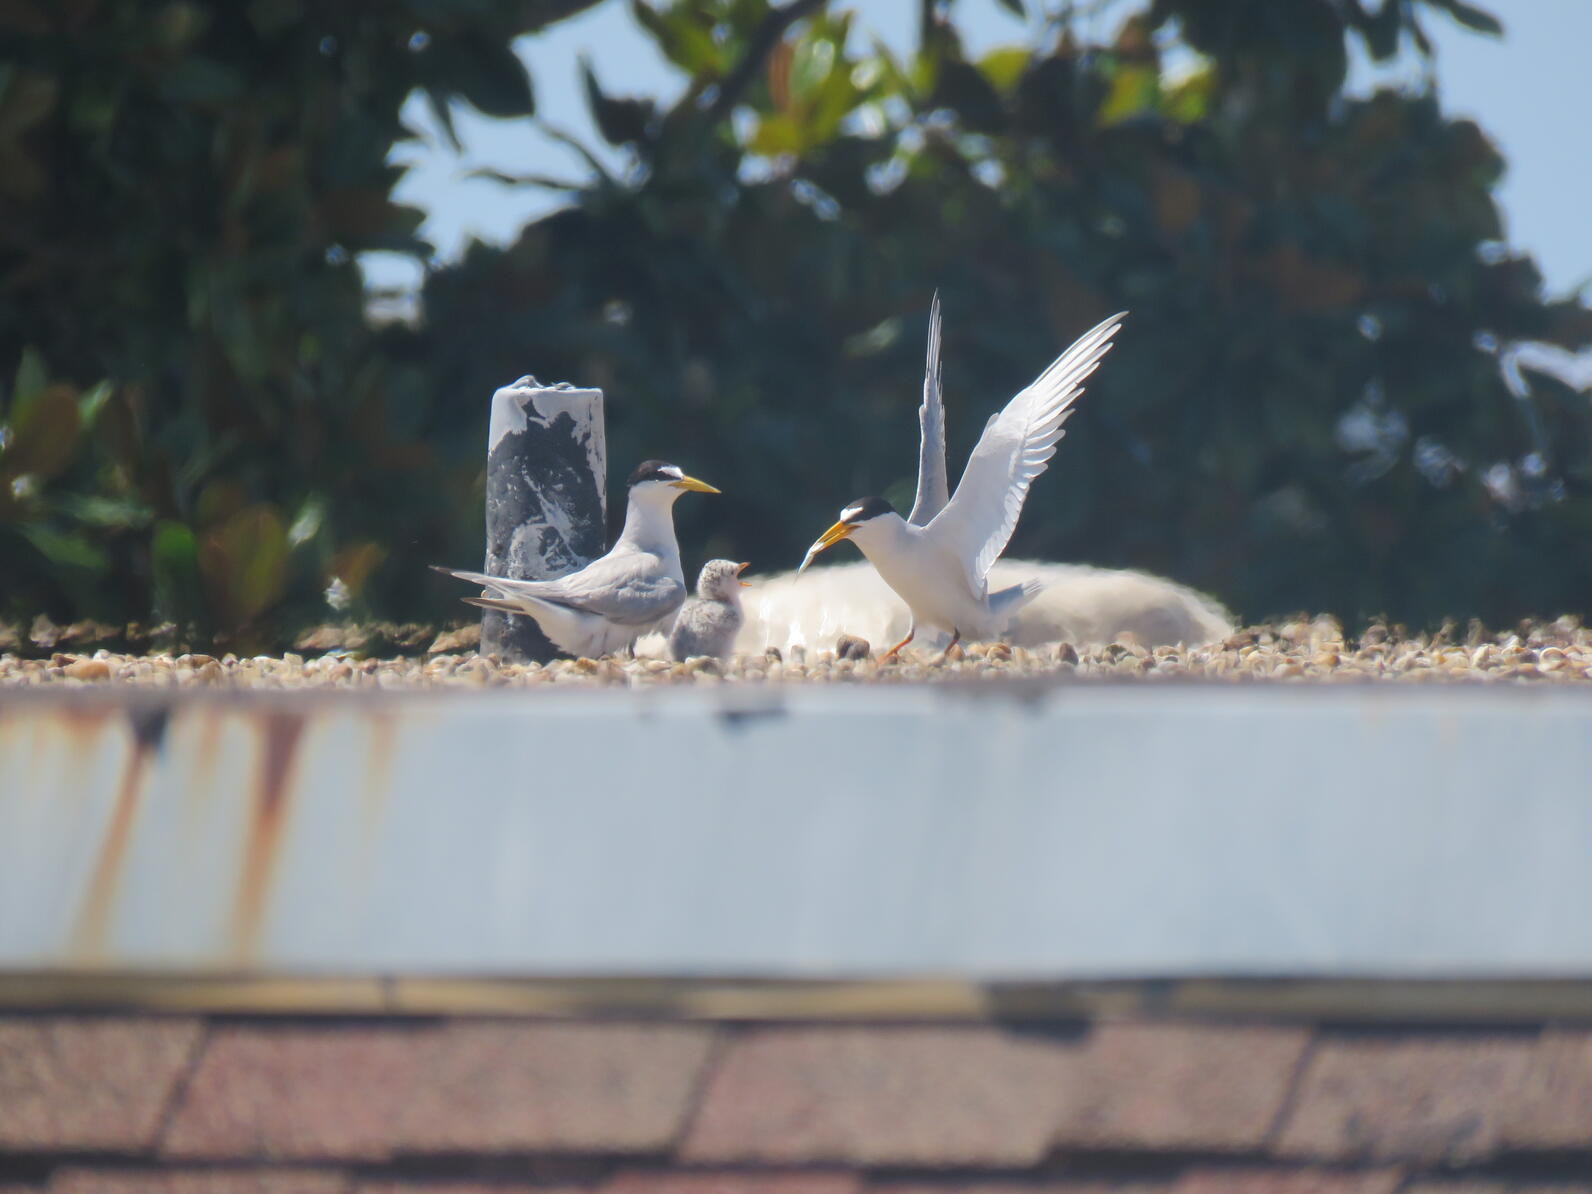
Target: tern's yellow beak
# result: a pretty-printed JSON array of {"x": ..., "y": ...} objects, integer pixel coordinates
[
  {"x": 828, "y": 539},
  {"x": 834, "y": 535},
  {"x": 693, "y": 485},
  {"x": 745, "y": 584}
]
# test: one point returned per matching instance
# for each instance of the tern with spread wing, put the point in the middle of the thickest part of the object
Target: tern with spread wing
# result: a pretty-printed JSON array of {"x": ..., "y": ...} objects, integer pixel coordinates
[
  {"x": 938, "y": 558},
  {"x": 634, "y": 589}
]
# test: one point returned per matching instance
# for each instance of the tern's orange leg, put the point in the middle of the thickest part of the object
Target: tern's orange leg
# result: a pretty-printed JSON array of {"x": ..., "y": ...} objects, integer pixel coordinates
[
  {"x": 891, "y": 653},
  {"x": 956, "y": 637}
]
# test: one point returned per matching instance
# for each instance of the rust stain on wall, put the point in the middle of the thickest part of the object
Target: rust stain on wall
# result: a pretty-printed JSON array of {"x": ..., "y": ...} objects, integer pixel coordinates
[
  {"x": 93, "y": 920},
  {"x": 378, "y": 771},
  {"x": 278, "y": 752}
]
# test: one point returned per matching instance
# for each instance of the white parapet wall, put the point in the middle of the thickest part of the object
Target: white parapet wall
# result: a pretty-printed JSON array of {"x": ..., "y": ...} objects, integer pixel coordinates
[{"x": 991, "y": 832}]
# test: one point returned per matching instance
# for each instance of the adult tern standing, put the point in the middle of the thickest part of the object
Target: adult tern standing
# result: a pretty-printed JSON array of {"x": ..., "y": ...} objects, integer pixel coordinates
[
  {"x": 938, "y": 559},
  {"x": 617, "y": 598}
]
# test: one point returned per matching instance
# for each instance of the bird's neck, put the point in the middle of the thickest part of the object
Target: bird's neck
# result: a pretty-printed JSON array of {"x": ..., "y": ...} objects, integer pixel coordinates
[
  {"x": 649, "y": 524},
  {"x": 881, "y": 538}
]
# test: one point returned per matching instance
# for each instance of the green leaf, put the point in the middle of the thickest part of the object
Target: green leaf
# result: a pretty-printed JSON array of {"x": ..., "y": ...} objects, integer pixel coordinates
[
  {"x": 1133, "y": 90},
  {"x": 497, "y": 84},
  {"x": 92, "y": 401},
  {"x": 485, "y": 72},
  {"x": 1004, "y": 67},
  {"x": 896, "y": 77},
  {"x": 174, "y": 560},
  {"x": 64, "y": 550},
  {"x": 1189, "y": 99},
  {"x": 44, "y": 434},
  {"x": 243, "y": 563},
  {"x": 963, "y": 87},
  {"x": 810, "y": 66},
  {"x": 98, "y": 511},
  {"x": 1472, "y": 17},
  {"x": 31, "y": 379},
  {"x": 311, "y": 517},
  {"x": 775, "y": 134},
  {"x": 879, "y": 338},
  {"x": 620, "y": 121},
  {"x": 684, "y": 36},
  {"x": 837, "y": 98}
]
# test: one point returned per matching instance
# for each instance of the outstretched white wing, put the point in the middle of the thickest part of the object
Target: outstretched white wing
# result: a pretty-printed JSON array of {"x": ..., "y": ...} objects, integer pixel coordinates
[
  {"x": 1016, "y": 445},
  {"x": 933, "y": 487}
]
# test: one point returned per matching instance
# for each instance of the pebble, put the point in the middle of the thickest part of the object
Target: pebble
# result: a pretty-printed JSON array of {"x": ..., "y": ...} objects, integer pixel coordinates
[
  {"x": 851, "y": 647},
  {"x": 1299, "y": 650}
]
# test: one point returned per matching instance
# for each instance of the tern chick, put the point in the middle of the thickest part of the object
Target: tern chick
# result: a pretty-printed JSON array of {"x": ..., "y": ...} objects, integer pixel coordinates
[
  {"x": 708, "y": 623},
  {"x": 634, "y": 589},
  {"x": 938, "y": 559}
]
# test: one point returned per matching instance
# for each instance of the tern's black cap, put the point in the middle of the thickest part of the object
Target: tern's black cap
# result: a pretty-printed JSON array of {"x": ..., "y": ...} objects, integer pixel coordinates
[
  {"x": 863, "y": 509},
  {"x": 654, "y": 470}
]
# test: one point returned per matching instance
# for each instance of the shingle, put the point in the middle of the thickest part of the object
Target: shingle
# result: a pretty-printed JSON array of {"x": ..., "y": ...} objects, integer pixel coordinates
[
  {"x": 77, "y": 1083},
  {"x": 197, "y": 1181},
  {"x": 663, "y": 1182},
  {"x": 1218, "y": 1180},
  {"x": 1180, "y": 1086},
  {"x": 883, "y": 1095},
  {"x": 515, "y": 1087},
  {"x": 1445, "y": 1099},
  {"x": 330, "y": 1091}
]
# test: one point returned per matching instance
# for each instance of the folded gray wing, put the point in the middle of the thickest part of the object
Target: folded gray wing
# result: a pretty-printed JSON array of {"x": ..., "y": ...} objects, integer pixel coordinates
[
  {"x": 933, "y": 487},
  {"x": 629, "y": 589}
]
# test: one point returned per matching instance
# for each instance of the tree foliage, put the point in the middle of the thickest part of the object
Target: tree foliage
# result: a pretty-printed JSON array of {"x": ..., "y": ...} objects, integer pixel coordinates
[
  {"x": 183, "y": 185},
  {"x": 1308, "y": 408}
]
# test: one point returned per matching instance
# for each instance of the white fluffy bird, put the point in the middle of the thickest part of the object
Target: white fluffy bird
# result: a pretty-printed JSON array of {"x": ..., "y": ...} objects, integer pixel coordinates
[
  {"x": 608, "y": 604},
  {"x": 708, "y": 623},
  {"x": 938, "y": 559}
]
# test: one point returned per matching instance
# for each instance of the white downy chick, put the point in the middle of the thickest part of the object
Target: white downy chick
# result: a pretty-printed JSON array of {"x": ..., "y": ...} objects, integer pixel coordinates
[{"x": 708, "y": 623}]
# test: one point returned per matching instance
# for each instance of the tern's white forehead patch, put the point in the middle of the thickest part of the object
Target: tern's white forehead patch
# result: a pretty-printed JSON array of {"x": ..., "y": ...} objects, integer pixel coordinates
[
  {"x": 671, "y": 470},
  {"x": 850, "y": 514}
]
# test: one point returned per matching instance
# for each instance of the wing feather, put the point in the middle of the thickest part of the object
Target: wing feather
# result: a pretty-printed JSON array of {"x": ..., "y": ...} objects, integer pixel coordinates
[
  {"x": 624, "y": 589},
  {"x": 1015, "y": 448},
  {"x": 933, "y": 486}
]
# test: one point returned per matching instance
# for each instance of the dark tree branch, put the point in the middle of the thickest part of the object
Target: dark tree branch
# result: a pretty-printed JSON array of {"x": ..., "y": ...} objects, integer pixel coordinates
[{"x": 758, "y": 47}]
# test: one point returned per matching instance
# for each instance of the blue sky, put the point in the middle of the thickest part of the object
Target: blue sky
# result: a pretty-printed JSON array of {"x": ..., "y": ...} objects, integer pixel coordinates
[{"x": 1530, "y": 91}]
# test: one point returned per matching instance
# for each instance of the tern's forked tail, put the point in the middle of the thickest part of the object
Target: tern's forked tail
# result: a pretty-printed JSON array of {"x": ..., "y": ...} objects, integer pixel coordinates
[{"x": 1006, "y": 602}]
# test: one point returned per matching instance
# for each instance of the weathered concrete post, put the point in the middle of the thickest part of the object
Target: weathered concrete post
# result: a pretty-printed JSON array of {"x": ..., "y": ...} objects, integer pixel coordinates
[{"x": 546, "y": 497}]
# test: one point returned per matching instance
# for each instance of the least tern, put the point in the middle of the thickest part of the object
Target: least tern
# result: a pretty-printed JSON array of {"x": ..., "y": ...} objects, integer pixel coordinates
[
  {"x": 708, "y": 623},
  {"x": 938, "y": 559},
  {"x": 615, "y": 599}
]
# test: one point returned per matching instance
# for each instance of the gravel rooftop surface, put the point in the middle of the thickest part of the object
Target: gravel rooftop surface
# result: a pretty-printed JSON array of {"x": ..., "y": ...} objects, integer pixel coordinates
[{"x": 1295, "y": 651}]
